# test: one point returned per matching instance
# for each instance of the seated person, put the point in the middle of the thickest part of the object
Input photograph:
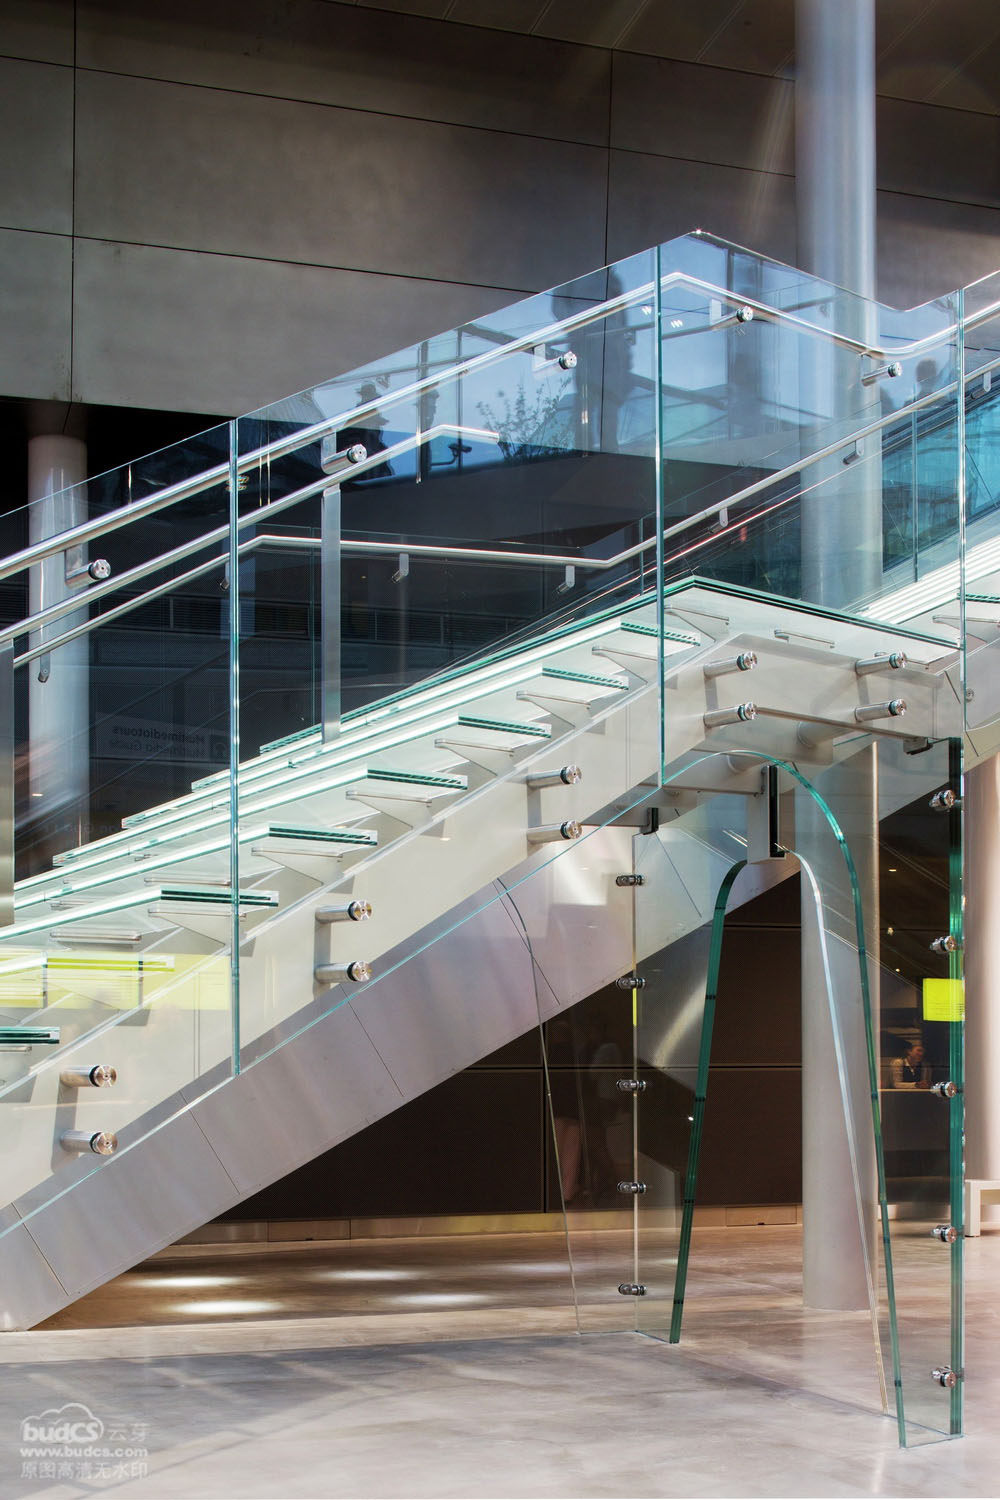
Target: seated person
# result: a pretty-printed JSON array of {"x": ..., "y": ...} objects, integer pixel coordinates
[{"x": 910, "y": 1071}]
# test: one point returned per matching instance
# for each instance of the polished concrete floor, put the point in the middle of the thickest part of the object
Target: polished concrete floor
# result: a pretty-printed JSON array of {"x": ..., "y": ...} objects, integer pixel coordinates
[{"x": 451, "y": 1368}]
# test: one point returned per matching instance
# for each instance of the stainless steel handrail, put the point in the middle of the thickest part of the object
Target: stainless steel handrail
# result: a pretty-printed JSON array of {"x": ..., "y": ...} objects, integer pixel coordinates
[
  {"x": 469, "y": 554},
  {"x": 219, "y": 473},
  {"x": 82, "y": 597},
  {"x": 184, "y": 489},
  {"x": 418, "y": 549}
]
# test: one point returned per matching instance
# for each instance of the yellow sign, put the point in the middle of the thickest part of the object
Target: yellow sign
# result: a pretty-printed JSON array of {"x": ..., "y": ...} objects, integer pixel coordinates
[{"x": 944, "y": 1000}]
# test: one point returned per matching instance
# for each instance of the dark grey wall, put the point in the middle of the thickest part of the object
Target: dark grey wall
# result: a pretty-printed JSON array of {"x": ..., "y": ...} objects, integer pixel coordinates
[{"x": 212, "y": 203}]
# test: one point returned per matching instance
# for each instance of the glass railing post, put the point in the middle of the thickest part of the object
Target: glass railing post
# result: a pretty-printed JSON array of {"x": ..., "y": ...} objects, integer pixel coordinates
[
  {"x": 330, "y": 612},
  {"x": 6, "y": 784},
  {"x": 956, "y": 1073},
  {"x": 234, "y": 736},
  {"x": 658, "y": 482}
]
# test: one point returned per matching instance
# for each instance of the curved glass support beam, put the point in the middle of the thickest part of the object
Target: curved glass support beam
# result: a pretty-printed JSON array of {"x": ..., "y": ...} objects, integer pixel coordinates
[
  {"x": 873, "y": 1080},
  {"x": 701, "y": 1091}
]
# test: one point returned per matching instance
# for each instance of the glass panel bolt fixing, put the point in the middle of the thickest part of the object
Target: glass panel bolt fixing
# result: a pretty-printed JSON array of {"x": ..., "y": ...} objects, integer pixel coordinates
[
  {"x": 894, "y": 709},
  {"x": 357, "y": 972},
  {"x": 101, "y": 1142},
  {"x": 894, "y": 660},
  {"x": 742, "y": 713},
  {"x": 100, "y": 1076},
  {"x": 552, "y": 832},
  {"x": 567, "y": 776},
  {"x": 345, "y": 911},
  {"x": 745, "y": 662}
]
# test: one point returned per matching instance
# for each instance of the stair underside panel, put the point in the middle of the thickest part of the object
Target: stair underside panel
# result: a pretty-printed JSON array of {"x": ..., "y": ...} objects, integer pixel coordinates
[{"x": 468, "y": 987}]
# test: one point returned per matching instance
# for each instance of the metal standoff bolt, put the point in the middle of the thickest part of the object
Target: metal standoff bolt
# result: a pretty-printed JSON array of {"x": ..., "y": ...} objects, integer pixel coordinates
[
  {"x": 744, "y": 315},
  {"x": 630, "y": 880},
  {"x": 635, "y": 1188},
  {"x": 552, "y": 832},
  {"x": 947, "y": 944},
  {"x": 889, "y": 371},
  {"x": 101, "y": 1142},
  {"x": 345, "y": 911},
  {"x": 945, "y": 1090},
  {"x": 945, "y": 801},
  {"x": 946, "y": 1376},
  {"x": 567, "y": 361},
  {"x": 741, "y": 714},
  {"x": 894, "y": 709},
  {"x": 568, "y": 776},
  {"x": 946, "y": 1233},
  {"x": 893, "y": 661},
  {"x": 631, "y": 1085},
  {"x": 98, "y": 570},
  {"x": 357, "y": 972},
  {"x": 332, "y": 458},
  {"x": 745, "y": 662},
  {"x": 100, "y": 1076},
  {"x": 631, "y": 982},
  {"x": 631, "y": 1289}
]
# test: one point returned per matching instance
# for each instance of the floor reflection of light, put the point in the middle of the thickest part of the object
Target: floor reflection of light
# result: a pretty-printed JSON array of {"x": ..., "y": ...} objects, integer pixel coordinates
[
  {"x": 443, "y": 1299},
  {"x": 334, "y": 1274},
  {"x": 180, "y": 1283},
  {"x": 229, "y": 1307}
]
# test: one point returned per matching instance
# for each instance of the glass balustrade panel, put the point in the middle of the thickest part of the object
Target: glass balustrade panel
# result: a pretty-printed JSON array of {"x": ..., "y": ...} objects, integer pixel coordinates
[
  {"x": 809, "y": 438},
  {"x": 439, "y": 591},
  {"x": 117, "y": 1005}
]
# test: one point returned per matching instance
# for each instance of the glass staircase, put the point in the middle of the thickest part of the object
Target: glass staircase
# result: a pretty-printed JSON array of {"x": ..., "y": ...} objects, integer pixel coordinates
[{"x": 421, "y": 705}]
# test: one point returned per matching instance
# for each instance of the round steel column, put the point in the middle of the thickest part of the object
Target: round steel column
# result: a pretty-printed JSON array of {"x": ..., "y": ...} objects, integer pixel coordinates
[
  {"x": 841, "y": 564},
  {"x": 59, "y": 683},
  {"x": 835, "y": 211}
]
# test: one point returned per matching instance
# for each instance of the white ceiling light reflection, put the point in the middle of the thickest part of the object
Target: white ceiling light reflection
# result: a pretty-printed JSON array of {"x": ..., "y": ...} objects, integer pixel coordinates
[
  {"x": 363, "y": 1275},
  {"x": 229, "y": 1307},
  {"x": 181, "y": 1283},
  {"x": 442, "y": 1299}
]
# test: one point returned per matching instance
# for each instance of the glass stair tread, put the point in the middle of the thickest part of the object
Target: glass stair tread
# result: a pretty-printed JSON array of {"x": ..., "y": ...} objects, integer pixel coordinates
[
  {"x": 361, "y": 838},
  {"x": 417, "y": 778},
  {"x": 504, "y": 726},
  {"x": 590, "y": 679}
]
